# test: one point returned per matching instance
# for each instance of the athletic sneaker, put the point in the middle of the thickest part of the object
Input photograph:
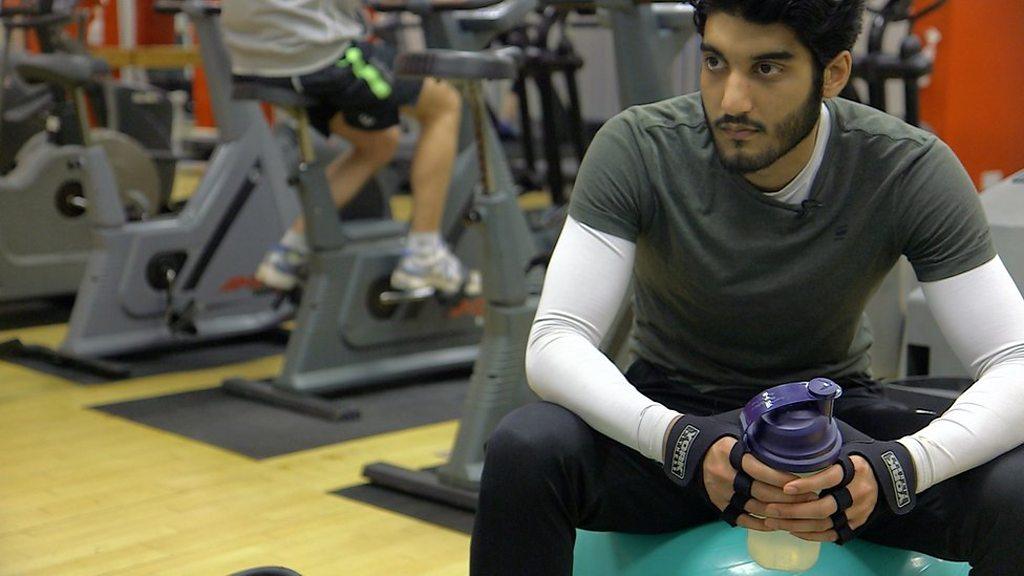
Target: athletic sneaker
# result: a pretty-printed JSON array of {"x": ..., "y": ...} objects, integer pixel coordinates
[
  {"x": 283, "y": 268},
  {"x": 440, "y": 270}
]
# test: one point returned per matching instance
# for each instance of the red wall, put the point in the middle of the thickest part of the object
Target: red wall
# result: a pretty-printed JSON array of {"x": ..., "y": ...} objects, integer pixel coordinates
[{"x": 976, "y": 98}]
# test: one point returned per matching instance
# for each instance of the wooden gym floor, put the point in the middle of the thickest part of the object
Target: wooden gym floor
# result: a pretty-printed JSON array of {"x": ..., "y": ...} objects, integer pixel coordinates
[{"x": 86, "y": 493}]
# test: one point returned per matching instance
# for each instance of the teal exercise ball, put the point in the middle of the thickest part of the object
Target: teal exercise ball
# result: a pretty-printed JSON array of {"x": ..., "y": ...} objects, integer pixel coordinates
[{"x": 718, "y": 550}]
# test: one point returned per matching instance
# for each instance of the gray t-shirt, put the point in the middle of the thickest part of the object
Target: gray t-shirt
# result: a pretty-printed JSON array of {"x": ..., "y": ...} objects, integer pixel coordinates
[
  {"x": 733, "y": 288},
  {"x": 288, "y": 37}
]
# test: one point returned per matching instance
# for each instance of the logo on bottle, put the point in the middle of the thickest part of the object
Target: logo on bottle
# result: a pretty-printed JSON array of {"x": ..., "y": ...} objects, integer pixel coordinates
[
  {"x": 682, "y": 450},
  {"x": 899, "y": 478}
]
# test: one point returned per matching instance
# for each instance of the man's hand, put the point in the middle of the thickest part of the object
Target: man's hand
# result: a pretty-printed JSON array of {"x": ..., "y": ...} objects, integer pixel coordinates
[
  {"x": 765, "y": 489},
  {"x": 813, "y": 520},
  {"x": 870, "y": 474}
]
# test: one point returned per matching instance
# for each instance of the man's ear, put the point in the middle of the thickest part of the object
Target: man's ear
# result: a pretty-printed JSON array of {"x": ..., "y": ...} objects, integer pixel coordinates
[{"x": 837, "y": 74}]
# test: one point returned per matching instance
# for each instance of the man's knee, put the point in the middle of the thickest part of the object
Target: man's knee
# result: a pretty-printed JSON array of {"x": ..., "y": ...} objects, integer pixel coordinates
[
  {"x": 997, "y": 485},
  {"x": 376, "y": 146},
  {"x": 448, "y": 98},
  {"x": 437, "y": 99},
  {"x": 993, "y": 508},
  {"x": 534, "y": 439}
]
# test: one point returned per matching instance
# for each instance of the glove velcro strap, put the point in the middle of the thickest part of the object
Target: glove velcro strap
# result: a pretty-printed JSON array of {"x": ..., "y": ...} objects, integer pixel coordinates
[
  {"x": 688, "y": 442},
  {"x": 893, "y": 469}
]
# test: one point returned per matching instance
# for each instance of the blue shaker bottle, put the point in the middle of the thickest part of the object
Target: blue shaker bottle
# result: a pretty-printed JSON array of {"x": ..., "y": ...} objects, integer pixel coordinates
[{"x": 791, "y": 428}]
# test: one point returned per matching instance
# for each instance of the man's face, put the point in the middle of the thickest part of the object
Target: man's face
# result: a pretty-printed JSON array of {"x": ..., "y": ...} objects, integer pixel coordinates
[{"x": 760, "y": 92}]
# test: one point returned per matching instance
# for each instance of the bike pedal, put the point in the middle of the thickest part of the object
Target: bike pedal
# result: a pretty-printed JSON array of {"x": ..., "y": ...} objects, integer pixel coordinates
[{"x": 392, "y": 297}]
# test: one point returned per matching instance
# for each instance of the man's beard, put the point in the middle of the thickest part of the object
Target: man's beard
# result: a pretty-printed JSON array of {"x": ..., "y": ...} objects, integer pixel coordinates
[{"x": 789, "y": 132}]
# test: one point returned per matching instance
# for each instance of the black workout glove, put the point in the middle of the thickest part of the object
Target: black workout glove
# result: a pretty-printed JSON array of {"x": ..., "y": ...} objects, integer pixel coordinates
[
  {"x": 688, "y": 442},
  {"x": 894, "y": 472}
]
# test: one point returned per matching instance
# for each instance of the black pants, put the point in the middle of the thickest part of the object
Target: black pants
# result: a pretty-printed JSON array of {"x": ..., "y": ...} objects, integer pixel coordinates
[{"x": 548, "y": 473}]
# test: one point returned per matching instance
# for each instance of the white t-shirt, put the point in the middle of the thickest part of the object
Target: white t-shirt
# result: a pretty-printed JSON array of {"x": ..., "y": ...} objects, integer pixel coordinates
[{"x": 278, "y": 38}]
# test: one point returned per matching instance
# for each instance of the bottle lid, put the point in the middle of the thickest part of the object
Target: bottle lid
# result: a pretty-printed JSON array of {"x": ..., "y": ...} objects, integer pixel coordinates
[{"x": 790, "y": 427}]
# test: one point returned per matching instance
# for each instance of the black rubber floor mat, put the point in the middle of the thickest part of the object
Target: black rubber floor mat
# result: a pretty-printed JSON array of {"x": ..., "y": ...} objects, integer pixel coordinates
[
  {"x": 150, "y": 363},
  {"x": 426, "y": 510},
  {"x": 28, "y": 313},
  {"x": 261, "y": 431}
]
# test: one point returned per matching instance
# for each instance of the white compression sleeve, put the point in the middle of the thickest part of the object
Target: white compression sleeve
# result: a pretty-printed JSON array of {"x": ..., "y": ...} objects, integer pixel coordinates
[
  {"x": 586, "y": 281},
  {"x": 981, "y": 314}
]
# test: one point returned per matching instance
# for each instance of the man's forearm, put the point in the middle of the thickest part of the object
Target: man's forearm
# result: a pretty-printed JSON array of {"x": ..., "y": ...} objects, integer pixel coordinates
[
  {"x": 981, "y": 314},
  {"x": 563, "y": 362},
  {"x": 982, "y": 424}
]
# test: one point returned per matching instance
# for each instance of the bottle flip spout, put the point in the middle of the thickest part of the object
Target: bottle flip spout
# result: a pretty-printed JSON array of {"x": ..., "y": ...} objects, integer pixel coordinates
[{"x": 826, "y": 392}]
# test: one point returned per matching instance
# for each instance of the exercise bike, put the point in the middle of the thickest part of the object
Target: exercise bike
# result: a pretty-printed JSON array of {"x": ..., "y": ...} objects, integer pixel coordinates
[
  {"x": 498, "y": 383},
  {"x": 45, "y": 232},
  {"x": 187, "y": 277},
  {"x": 140, "y": 111},
  {"x": 353, "y": 331}
]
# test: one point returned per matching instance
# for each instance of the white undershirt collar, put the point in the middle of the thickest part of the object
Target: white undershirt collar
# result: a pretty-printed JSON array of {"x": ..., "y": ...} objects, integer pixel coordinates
[{"x": 799, "y": 189}]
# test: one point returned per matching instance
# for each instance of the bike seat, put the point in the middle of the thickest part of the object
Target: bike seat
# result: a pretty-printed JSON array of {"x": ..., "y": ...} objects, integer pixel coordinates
[
  {"x": 501, "y": 63},
  {"x": 68, "y": 70},
  {"x": 276, "y": 95}
]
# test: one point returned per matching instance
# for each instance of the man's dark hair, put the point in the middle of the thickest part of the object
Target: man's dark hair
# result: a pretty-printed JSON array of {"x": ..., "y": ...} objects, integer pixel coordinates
[{"x": 825, "y": 27}]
